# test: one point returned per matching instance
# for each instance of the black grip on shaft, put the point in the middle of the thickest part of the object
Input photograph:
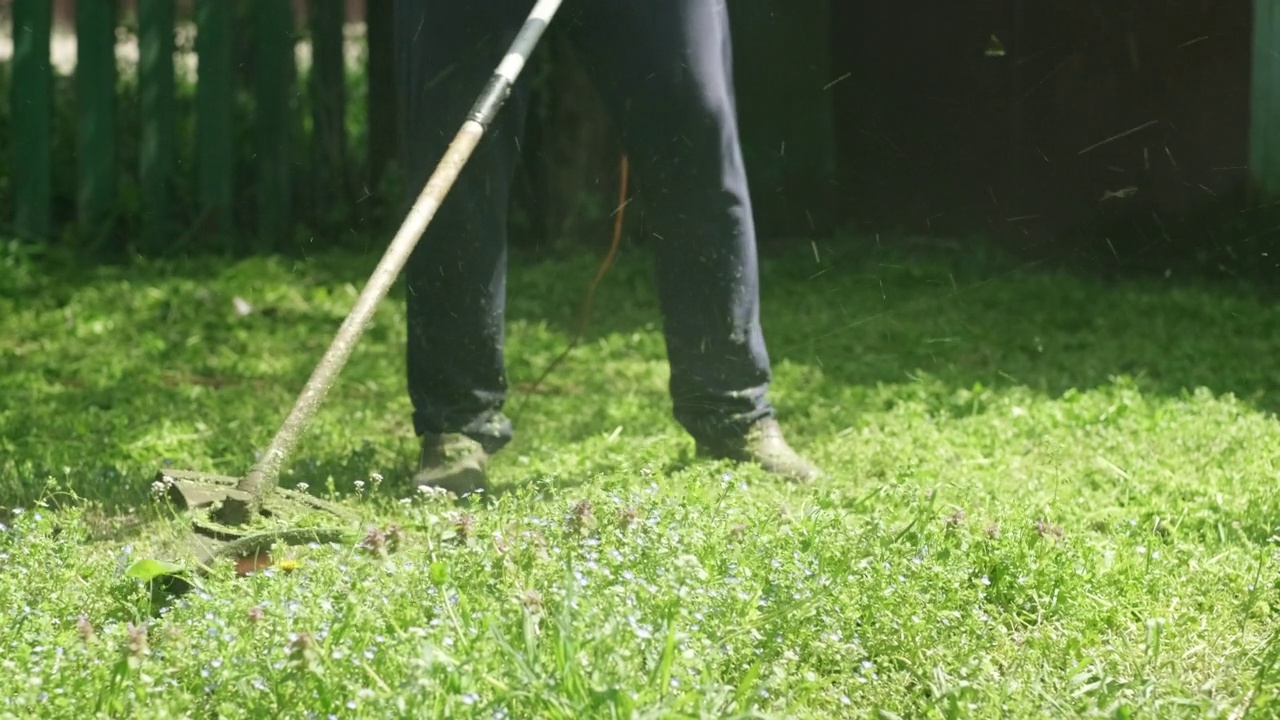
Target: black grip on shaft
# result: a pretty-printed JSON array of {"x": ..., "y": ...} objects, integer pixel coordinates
[
  {"x": 498, "y": 88},
  {"x": 490, "y": 101}
]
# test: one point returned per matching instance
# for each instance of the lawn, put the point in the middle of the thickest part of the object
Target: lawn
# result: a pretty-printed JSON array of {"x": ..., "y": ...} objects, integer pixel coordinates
[{"x": 1048, "y": 496}]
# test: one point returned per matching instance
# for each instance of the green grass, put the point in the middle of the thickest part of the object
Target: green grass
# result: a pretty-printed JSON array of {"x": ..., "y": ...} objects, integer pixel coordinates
[{"x": 1048, "y": 497}]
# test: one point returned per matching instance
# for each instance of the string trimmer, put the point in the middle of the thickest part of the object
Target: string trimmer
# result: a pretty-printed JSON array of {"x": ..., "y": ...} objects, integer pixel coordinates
[{"x": 243, "y": 517}]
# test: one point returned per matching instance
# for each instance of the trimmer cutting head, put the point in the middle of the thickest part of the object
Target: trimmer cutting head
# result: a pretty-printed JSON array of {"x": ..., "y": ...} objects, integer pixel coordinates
[
  {"x": 286, "y": 517},
  {"x": 199, "y": 493}
]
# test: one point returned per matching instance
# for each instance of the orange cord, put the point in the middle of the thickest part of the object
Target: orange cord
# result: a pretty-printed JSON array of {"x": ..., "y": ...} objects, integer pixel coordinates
[
  {"x": 613, "y": 249},
  {"x": 585, "y": 316}
]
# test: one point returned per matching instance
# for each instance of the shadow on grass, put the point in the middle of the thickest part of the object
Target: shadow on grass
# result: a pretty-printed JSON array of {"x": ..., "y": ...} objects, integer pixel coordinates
[
  {"x": 110, "y": 373},
  {"x": 866, "y": 315}
]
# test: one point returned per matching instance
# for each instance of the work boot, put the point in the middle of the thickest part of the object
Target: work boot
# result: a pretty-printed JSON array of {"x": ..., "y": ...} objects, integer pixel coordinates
[
  {"x": 451, "y": 462},
  {"x": 764, "y": 445}
]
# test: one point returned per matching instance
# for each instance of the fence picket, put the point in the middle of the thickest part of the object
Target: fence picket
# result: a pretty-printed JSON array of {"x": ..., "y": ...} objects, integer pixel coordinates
[
  {"x": 31, "y": 101},
  {"x": 1264, "y": 149},
  {"x": 156, "y": 85},
  {"x": 274, "y": 117},
  {"x": 381, "y": 105},
  {"x": 327, "y": 84},
  {"x": 95, "y": 111},
  {"x": 215, "y": 153}
]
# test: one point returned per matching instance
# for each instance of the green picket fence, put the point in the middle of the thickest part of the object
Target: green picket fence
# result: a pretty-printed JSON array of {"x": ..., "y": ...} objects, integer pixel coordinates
[{"x": 299, "y": 161}]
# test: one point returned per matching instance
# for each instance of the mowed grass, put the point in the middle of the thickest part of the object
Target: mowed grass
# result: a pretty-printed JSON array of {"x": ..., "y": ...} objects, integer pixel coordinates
[{"x": 1047, "y": 497}]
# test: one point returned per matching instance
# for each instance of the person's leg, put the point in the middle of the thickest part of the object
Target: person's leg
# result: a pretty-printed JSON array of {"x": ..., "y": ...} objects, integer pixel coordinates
[
  {"x": 665, "y": 69},
  {"x": 456, "y": 278}
]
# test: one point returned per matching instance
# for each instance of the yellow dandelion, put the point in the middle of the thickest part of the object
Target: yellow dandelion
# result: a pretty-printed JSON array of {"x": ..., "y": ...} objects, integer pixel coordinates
[{"x": 289, "y": 564}]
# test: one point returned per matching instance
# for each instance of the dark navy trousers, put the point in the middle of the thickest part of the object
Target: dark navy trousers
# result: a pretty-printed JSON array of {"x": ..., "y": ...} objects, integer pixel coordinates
[{"x": 664, "y": 70}]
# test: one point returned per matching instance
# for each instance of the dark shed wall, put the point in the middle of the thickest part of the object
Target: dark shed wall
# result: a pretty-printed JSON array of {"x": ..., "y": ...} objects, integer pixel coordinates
[{"x": 931, "y": 128}]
